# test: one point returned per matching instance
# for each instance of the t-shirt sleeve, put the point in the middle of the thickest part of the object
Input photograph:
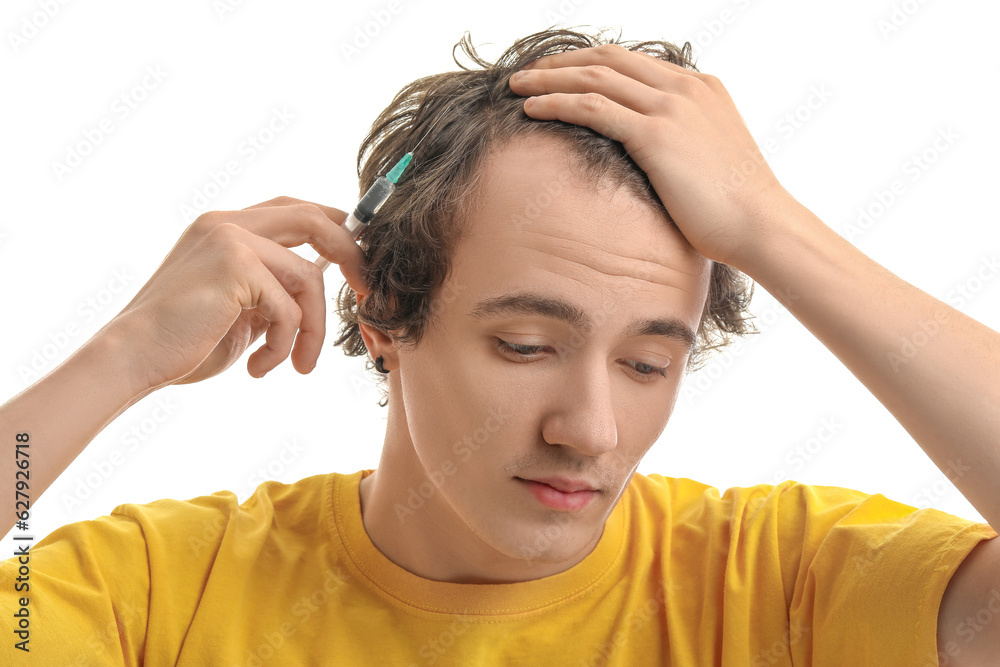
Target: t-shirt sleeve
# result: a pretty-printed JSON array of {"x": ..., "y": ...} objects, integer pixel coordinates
[
  {"x": 88, "y": 594},
  {"x": 867, "y": 574}
]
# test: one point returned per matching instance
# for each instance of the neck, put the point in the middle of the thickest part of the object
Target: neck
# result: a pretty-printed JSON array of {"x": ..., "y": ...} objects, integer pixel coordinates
[{"x": 432, "y": 541}]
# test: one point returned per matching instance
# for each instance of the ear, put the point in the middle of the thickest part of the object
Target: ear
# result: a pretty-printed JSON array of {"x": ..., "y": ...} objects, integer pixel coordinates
[{"x": 379, "y": 344}]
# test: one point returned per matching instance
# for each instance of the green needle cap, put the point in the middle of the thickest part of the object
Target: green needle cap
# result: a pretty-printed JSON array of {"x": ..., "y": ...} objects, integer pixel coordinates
[{"x": 397, "y": 171}]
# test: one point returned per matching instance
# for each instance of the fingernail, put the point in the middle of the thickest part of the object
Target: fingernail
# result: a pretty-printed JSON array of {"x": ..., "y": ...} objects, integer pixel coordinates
[{"x": 517, "y": 75}]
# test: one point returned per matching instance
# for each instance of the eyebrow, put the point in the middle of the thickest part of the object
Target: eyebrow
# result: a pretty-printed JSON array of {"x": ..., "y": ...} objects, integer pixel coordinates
[{"x": 530, "y": 303}]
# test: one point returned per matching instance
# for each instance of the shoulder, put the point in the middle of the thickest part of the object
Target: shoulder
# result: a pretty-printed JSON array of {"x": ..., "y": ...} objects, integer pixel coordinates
[{"x": 204, "y": 521}]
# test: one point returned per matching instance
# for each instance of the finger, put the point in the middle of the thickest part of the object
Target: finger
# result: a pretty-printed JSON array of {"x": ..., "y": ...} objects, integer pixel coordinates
[
  {"x": 614, "y": 85},
  {"x": 592, "y": 110},
  {"x": 259, "y": 289},
  {"x": 303, "y": 281},
  {"x": 334, "y": 214},
  {"x": 304, "y": 222},
  {"x": 635, "y": 64}
]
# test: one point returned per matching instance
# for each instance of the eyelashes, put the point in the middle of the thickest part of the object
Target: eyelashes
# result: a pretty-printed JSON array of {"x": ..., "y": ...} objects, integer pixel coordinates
[{"x": 643, "y": 370}]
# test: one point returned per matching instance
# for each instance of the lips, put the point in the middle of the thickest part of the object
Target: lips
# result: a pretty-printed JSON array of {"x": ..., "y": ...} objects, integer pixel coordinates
[{"x": 565, "y": 485}]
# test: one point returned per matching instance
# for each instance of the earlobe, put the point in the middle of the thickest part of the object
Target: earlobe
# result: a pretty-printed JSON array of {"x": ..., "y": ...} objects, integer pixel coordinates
[{"x": 379, "y": 345}]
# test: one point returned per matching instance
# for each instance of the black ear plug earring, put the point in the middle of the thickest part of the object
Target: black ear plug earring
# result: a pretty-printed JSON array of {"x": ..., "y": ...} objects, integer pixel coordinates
[{"x": 378, "y": 366}]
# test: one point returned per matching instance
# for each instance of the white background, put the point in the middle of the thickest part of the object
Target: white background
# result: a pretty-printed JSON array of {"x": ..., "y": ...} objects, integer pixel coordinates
[{"x": 887, "y": 91}]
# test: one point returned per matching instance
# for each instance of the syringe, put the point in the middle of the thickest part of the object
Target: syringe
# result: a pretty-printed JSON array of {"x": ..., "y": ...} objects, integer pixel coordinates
[{"x": 369, "y": 205}]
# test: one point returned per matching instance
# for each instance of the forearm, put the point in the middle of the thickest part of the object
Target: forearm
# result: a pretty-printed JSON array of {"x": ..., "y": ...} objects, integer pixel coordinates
[
  {"x": 935, "y": 369},
  {"x": 62, "y": 413}
]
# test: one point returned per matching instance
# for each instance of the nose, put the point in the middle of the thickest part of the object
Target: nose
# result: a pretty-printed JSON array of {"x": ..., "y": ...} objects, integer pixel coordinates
[{"x": 583, "y": 415}]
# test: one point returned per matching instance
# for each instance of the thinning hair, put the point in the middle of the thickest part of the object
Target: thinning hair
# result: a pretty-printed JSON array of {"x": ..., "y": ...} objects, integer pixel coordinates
[{"x": 460, "y": 117}]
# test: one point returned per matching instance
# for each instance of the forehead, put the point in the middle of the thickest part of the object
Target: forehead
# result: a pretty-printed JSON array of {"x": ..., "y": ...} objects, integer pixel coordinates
[
  {"x": 536, "y": 187},
  {"x": 538, "y": 225}
]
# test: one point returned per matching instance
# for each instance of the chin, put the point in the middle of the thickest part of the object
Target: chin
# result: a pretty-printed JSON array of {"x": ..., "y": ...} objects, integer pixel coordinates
[{"x": 559, "y": 540}]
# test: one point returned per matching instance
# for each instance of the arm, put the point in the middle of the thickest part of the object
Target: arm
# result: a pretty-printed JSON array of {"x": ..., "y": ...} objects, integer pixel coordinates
[
  {"x": 932, "y": 367},
  {"x": 61, "y": 414},
  {"x": 229, "y": 279},
  {"x": 935, "y": 369}
]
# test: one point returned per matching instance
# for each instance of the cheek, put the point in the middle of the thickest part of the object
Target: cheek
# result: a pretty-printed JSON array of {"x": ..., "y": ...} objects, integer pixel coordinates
[{"x": 456, "y": 408}]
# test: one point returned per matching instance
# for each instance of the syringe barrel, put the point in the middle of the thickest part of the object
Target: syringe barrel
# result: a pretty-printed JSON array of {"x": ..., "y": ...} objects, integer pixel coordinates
[
  {"x": 366, "y": 209},
  {"x": 377, "y": 194}
]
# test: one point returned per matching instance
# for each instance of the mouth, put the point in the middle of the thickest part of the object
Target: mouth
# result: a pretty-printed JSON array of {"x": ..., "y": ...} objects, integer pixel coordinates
[
  {"x": 554, "y": 498},
  {"x": 563, "y": 484}
]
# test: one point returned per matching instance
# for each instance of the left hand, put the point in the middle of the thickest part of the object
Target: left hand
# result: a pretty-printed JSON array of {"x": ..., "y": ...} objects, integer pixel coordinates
[{"x": 680, "y": 126}]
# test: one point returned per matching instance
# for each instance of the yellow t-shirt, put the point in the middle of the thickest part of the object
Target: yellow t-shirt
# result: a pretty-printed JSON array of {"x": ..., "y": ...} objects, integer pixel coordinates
[{"x": 761, "y": 576}]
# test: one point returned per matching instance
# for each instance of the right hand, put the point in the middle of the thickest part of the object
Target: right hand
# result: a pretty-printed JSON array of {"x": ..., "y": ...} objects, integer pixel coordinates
[{"x": 228, "y": 279}]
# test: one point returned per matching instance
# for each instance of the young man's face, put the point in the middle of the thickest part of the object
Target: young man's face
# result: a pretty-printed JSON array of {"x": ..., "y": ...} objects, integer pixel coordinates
[{"x": 477, "y": 420}]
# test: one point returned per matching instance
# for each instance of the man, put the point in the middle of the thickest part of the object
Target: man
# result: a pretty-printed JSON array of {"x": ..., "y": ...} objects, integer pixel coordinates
[{"x": 533, "y": 355}]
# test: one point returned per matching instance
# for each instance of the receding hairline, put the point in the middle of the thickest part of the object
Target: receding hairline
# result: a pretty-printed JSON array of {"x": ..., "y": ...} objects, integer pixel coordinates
[{"x": 473, "y": 195}]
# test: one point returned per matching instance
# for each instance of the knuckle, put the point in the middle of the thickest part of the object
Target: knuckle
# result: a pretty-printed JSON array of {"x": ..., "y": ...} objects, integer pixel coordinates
[
  {"x": 695, "y": 87},
  {"x": 596, "y": 72},
  {"x": 284, "y": 200},
  {"x": 608, "y": 51},
  {"x": 242, "y": 255},
  {"x": 310, "y": 212},
  {"x": 207, "y": 221},
  {"x": 593, "y": 102},
  {"x": 239, "y": 260},
  {"x": 305, "y": 209},
  {"x": 310, "y": 274},
  {"x": 228, "y": 231},
  {"x": 712, "y": 81}
]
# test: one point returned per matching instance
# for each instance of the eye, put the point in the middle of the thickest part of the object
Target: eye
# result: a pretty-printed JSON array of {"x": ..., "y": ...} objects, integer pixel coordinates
[{"x": 645, "y": 371}]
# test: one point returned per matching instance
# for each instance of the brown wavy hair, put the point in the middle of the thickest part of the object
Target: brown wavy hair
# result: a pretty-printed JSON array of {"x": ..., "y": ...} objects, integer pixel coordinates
[{"x": 469, "y": 113}]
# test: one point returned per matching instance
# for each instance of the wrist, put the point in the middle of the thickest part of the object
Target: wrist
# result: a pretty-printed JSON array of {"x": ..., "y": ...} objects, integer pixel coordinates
[
  {"x": 779, "y": 223},
  {"x": 111, "y": 354}
]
